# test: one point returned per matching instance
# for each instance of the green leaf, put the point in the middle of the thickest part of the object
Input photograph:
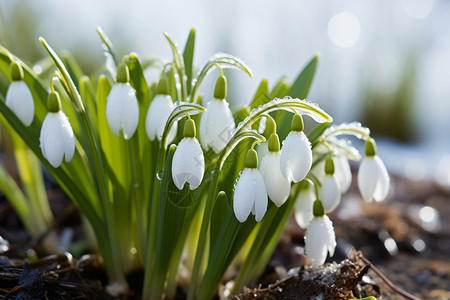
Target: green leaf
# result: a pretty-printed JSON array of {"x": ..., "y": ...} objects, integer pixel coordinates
[
  {"x": 188, "y": 57},
  {"x": 179, "y": 65},
  {"x": 112, "y": 61},
  {"x": 302, "y": 83},
  {"x": 280, "y": 90},
  {"x": 261, "y": 96},
  {"x": 72, "y": 66}
]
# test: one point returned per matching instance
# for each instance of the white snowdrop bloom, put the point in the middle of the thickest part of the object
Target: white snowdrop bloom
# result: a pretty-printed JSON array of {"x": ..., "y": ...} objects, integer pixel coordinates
[
  {"x": 122, "y": 110},
  {"x": 18, "y": 97},
  {"x": 262, "y": 149},
  {"x": 304, "y": 206},
  {"x": 330, "y": 193},
  {"x": 250, "y": 193},
  {"x": 319, "y": 239},
  {"x": 56, "y": 139},
  {"x": 278, "y": 188},
  {"x": 157, "y": 115},
  {"x": 373, "y": 178},
  {"x": 20, "y": 101},
  {"x": 188, "y": 164},
  {"x": 342, "y": 172},
  {"x": 216, "y": 125},
  {"x": 296, "y": 156}
]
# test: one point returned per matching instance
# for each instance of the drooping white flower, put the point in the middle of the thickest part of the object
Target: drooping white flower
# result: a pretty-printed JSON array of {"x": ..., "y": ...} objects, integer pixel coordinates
[
  {"x": 303, "y": 206},
  {"x": 342, "y": 172},
  {"x": 188, "y": 164},
  {"x": 217, "y": 123},
  {"x": 122, "y": 110},
  {"x": 330, "y": 193},
  {"x": 296, "y": 156},
  {"x": 373, "y": 178},
  {"x": 20, "y": 101},
  {"x": 250, "y": 193},
  {"x": 157, "y": 115},
  {"x": 18, "y": 97},
  {"x": 319, "y": 239},
  {"x": 278, "y": 188},
  {"x": 262, "y": 149},
  {"x": 56, "y": 139}
]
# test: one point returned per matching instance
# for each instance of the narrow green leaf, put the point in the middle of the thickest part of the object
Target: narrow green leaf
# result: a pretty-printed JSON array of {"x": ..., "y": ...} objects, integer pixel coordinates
[
  {"x": 179, "y": 65},
  {"x": 218, "y": 217},
  {"x": 280, "y": 90},
  {"x": 261, "y": 96},
  {"x": 72, "y": 66},
  {"x": 188, "y": 57},
  {"x": 302, "y": 84}
]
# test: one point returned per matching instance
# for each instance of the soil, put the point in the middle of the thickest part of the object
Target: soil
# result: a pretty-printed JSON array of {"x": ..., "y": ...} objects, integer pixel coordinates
[{"x": 383, "y": 249}]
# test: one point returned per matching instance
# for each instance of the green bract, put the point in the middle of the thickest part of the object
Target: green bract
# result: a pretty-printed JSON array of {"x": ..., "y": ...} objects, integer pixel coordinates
[{"x": 143, "y": 215}]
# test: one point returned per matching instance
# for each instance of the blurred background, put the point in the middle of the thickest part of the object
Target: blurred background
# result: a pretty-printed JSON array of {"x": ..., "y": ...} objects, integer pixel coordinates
[{"x": 383, "y": 63}]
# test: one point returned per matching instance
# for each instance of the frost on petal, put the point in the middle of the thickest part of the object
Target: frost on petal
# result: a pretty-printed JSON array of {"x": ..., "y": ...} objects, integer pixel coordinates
[
  {"x": 20, "y": 101},
  {"x": 216, "y": 125},
  {"x": 51, "y": 140},
  {"x": 330, "y": 193},
  {"x": 157, "y": 115},
  {"x": 383, "y": 182},
  {"x": 304, "y": 207},
  {"x": 368, "y": 178},
  {"x": 296, "y": 156},
  {"x": 316, "y": 241},
  {"x": 188, "y": 164},
  {"x": 68, "y": 136},
  {"x": 278, "y": 188}
]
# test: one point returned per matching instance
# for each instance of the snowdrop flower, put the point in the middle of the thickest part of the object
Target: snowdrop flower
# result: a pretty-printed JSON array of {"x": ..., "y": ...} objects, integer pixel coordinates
[
  {"x": 269, "y": 127},
  {"x": 330, "y": 193},
  {"x": 122, "y": 109},
  {"x": 304, "y": 205},
  {"x": 217, "y": 123},
  {"x": 319, "y": 237},
  {"x": 296, "y": 155},
  {"x": 373, "y": 178},
  {"x": 278, "y": 188},
  {"x": 342, "y": 172},
  {"x": 188, "y": 163},
  {"x": 250, "y": 194},
  {"x": 158, "y": 113},
  {"x": 56, "y": 139},
  {"x": 18, "y": 97}
]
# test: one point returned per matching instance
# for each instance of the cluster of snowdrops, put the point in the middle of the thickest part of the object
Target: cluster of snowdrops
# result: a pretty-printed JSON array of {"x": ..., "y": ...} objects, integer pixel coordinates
[{"x": 312, "y": 171}]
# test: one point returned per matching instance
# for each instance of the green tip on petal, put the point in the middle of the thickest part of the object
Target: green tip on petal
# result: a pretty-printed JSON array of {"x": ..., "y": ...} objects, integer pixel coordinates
[
  {"x": 189, "y": 129},
  {"x": 16, "y": 71},
  {"x": 318, "y": 210},
  {"x": 271, "y": 127},
  {"x": 163, "y": 86},
  {"x": 297, "y": 123},
  {"x": 133, "y": 56},
  {"x": 123, "y": 75},
  {"x": 274, "y": 143},
  {"x": 53, "y": 102},
  {"x": 220, "y": 91},
  {"x": 370, "y": 148},
  {"x": 251, "y": 160},
  {"x": 329, "y": 166}
]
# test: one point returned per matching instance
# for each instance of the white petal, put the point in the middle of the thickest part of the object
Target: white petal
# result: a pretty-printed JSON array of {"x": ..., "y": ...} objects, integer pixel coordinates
[
  {"x": 20, "y": 101},
  {"x": 188, "y": 164},
  {"x": 157, "y": 115},
  {"x": 68, "y": 138},
  {"x": 216, "y": 125},
  {"x": 331, "y": 235},
  {"x": 51, "y": 140},
  {"x": 330, "y": 193},
  {"x": 296, "y": 156},
  {"x": 368, "y": 178},
  {"x": 278, "y": 188},
  {"x": 304, "y": 207},
  {"x": 316, "y": 241},
  {"x": 122, "y": 110},
  {"x": 342, "y": 173},
  {"x": 383, "y": 183},
  {"x": 262, "y": 149},
  {"x": 249, "y": 193}
]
